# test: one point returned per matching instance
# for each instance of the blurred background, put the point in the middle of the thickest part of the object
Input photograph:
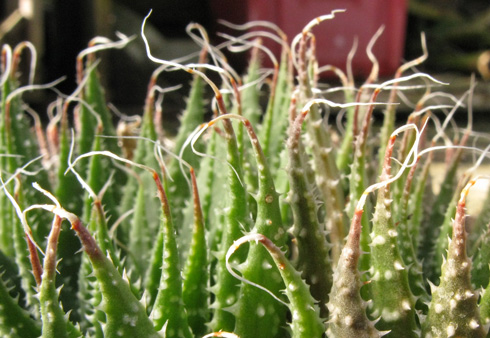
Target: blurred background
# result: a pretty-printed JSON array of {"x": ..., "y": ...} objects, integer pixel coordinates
[{"x": 458, "y": 38}]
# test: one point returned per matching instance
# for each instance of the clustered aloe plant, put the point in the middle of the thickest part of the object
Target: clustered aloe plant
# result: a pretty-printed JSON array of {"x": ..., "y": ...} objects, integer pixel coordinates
[{"x": 299, "y": 230}]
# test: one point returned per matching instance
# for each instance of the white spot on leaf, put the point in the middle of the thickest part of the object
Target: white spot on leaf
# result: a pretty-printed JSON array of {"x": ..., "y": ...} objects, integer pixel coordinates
[{"x": 379, "y": 240}]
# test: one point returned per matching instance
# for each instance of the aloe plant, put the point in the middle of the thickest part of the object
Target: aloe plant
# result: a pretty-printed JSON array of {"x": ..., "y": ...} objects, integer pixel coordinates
[{"x": 254, "y": 223}]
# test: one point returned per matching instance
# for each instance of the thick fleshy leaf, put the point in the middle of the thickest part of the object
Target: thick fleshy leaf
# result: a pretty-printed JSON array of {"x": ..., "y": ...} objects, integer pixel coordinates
[{"x": 453, "y": 311}]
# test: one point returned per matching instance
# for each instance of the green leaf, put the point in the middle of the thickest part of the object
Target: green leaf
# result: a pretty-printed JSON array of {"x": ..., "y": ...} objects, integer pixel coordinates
[
  {"x": 406, "y": 245},
  {"x": 306, "y": 320},
  {"x": 168, "y": 310},
  {"x": 258, "y": 314},
  {"x": 237, "y": 220},
  {"x": 436, "y": 258},
  {"x": 430, "y": 231},
  {"x": 125, "y": 315},
  {"x": 192, "y": 117},
  {"x": 327, "y": 174},
  {"x": 24, "y": 263},
  {"x": 453, "y": 310},
  {"x": 196, "y": 271},
  {"x": 313, "y": 250},
  {"x": 347, "y": 309},
  {"x": 55, "y": 322},
  {"x": 69, "y": 193},
  {"x": 143, "y": 154},
  {"x": 15, "y": 322},
  {"x": 392, "y": 298}
]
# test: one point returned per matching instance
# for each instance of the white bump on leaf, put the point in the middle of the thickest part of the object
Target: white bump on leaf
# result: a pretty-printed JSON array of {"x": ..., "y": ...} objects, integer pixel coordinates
[
  {"x": 398, "y": 266},
  {"x": 450, "y": 331},
  {"x": 379, "y": 240},
  {"x": 474, "y": 324}
]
